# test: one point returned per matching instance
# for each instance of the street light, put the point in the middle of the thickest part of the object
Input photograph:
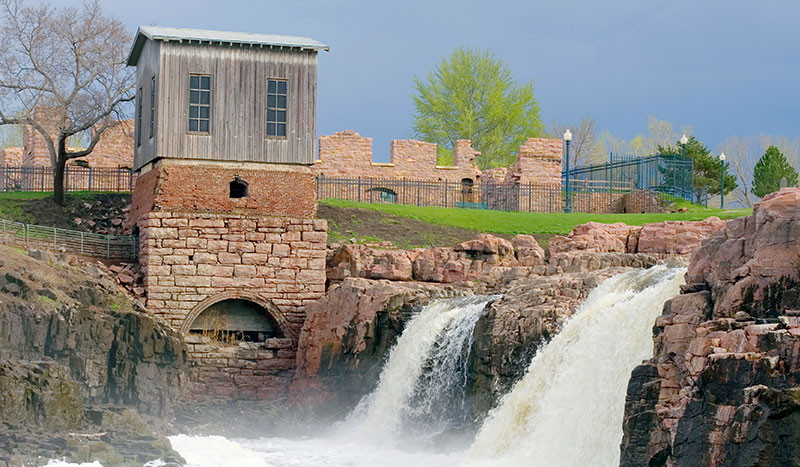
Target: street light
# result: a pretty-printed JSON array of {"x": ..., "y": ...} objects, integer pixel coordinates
[
  {"x": 722, "y": 181},
  {"x": 683, "y": 142},
  {"x": 567, "y": 139}
]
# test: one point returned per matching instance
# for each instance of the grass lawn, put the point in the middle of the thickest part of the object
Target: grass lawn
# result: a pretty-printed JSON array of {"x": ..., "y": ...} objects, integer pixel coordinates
[{"x": 513, "y": 223}]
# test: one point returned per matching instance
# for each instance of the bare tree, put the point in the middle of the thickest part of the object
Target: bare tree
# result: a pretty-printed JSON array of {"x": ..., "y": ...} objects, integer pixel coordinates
[
  {"x": 742, "y": 156},
  {"x": 584, "y": 139},
  {"x": 73, "y": 63}
]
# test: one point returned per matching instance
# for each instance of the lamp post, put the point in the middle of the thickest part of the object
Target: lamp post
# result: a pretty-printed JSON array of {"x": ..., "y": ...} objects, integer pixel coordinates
[
  {"x": 683, "y": 142},
  {"x": 722, "y": 181},
  {"x": 567, "y": 139}
]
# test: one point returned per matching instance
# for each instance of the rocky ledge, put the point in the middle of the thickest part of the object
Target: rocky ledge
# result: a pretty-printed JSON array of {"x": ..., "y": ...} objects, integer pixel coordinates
[
  {"x": 374, "y": 292},
  {"x": 83, "y": 375},
  {"x": 723, "y": 387}
]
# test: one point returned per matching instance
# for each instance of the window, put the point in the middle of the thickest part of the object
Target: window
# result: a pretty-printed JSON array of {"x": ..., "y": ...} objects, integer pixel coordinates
[
  {"x": 139, "y": 118},
  {"x": 199, "y": 103},
  {"x": 276, "y": 107},
  {"x": 238, "y": 188},
  {"x": 152, "y": 105}
]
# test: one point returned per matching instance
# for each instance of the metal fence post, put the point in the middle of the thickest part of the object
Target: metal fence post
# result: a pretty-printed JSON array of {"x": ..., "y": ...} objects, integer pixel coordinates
[
  {"x": 81, "y": 243},
  {"x": 108, "y": 247}
]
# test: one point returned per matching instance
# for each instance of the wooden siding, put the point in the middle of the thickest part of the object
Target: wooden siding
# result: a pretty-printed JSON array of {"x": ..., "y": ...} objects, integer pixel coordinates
[
  {"x": 146, "y": 68},
  {"x": 238, "y": 103}
]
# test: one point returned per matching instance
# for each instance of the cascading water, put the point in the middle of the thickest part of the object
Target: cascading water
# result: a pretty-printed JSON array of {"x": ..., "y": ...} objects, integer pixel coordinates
[
  {"x": 568, "y": 409},
  {"x": 422, "y": 385}
]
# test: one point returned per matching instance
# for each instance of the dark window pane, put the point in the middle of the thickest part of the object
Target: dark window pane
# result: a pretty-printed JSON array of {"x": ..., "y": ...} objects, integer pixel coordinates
[
  {"x": 271, "y": 100},
  {"x": 281, "y": 102},
  {"x": 192, "y": 125},
  {"x": 204, "y": 97},
  {"x": 281, "y": 117},
  {"x": 194, "y": 82},
  {"x": 271, "y": 129},
  {"x": 204, "y": 125},
  {"x": 281, "y": 129},
  {"x": 281, "y": 87},
  {"x": 271, "y": 86},
  {"x": 205, "y": 82},
  {"x": 194, "y": 97},
  {"x": 271, "y": 115},
  {"x": 203, "y": 112},
  {"x": 192, "y": 111}
]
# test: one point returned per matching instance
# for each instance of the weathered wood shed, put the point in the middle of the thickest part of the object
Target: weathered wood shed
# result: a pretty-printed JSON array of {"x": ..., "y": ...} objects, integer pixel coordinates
[{"x": 224, "y": 96}]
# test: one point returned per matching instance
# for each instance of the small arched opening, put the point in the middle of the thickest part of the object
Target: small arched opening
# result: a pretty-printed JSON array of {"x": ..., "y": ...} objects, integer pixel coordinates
[
  {"x": 382, "y": 195},
  {"x": 236, "y": 319},
  {"x": 467, "y": 185},
  {"x": 238, "y": 188}
]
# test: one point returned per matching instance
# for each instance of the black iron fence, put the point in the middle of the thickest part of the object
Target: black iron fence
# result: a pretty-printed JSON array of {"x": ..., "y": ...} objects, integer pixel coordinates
[
  {"x": 111, "y": 247},
  {"x": 585, "y": 195},
  {"x": 15, "y": 178}
]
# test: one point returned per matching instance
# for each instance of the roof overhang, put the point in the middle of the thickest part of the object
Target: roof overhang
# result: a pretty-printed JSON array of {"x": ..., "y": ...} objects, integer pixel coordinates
[{"x": 200, "y": 36}]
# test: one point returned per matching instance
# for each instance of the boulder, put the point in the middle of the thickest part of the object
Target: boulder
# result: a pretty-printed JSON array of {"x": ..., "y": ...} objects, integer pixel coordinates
[
  {"x": 676, "y": 237},
  {"x": 527, "y": 250}
]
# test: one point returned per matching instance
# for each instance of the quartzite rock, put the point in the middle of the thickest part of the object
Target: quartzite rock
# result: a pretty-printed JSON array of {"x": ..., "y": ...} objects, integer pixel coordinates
[{"x": 722, "y": 388}]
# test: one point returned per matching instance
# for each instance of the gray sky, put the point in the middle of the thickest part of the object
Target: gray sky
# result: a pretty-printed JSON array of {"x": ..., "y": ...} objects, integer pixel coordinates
[{"x": 725, "y": 67}]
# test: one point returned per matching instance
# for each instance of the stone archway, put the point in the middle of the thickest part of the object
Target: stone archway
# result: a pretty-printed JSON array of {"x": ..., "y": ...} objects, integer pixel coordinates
[{"x": 269, "y": 308}]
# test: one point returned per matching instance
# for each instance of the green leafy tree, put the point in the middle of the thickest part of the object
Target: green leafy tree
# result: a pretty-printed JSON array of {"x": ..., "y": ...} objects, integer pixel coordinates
[
  {"x": 472, "y": 95},
  {"x": 706, "y": 166},
  {"x": 770, "y": 169}
]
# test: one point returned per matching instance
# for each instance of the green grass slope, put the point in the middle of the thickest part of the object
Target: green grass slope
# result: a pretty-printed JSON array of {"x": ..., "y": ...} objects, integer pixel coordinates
[{"x": 512, "y": 223}]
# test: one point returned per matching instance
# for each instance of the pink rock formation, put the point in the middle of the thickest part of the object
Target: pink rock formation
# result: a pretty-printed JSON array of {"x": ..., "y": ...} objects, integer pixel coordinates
[{"x": 722, "y": 386}]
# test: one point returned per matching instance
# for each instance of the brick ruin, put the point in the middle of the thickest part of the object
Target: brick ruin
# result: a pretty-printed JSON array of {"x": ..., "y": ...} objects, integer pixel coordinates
[
  {"x": 114, "y": 149},
  {"x": 200, "y": 248},
  {"x": 348, "y": 154}
]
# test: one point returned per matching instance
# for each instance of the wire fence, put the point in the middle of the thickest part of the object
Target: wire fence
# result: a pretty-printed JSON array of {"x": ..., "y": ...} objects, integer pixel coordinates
[
  {"x": 76, "y": 178},
  {"x": 590, "y": 196},
  {"x": 111, "y": 247}
]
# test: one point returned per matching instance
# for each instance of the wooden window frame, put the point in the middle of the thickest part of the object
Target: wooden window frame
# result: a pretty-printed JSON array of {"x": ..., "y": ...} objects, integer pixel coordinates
[
  {"x": 152, "y": 106},
  {"x": 139, "y": 117},
  {"x": 189, "y": 106},
  {"x": 268, "y": 108}
]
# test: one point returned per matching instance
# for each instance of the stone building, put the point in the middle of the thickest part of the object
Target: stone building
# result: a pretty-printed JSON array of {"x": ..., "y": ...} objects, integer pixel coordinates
[{"x": 224, "y": 202}]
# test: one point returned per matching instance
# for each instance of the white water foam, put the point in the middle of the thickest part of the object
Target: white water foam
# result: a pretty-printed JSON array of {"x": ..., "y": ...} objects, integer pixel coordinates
[
  {"x": 215, "y": 451},
  {"x": 568, "y": 409},
  {"x": 420, "y": 392}
]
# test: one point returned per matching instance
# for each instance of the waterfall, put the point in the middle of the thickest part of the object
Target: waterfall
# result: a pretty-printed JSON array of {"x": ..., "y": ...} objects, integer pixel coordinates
[
  {"x": 568, "y": 408},
  {"x": 421, "y": 388}
]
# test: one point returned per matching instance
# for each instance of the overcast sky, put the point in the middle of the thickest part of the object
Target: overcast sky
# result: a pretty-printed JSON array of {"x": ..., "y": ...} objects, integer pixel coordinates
[{"x": 725, "y": 67}]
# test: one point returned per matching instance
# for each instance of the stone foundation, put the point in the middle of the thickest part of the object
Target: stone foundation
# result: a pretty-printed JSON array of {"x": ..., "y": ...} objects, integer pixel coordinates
[
  {"x": 188, "y": 258},
  {"x": 199, "y": 246}
]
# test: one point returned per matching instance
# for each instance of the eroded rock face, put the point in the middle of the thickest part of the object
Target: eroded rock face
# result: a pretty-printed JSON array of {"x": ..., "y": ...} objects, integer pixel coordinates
[
  {"x": 659, "y": 238},
  {"x": 530, "y": 312},
  {"x": 723, "y": 386},
  {"x": 470, "y": 261},
  {"x": 76, "y": 357},
  {"x": 347, "y": 335}
]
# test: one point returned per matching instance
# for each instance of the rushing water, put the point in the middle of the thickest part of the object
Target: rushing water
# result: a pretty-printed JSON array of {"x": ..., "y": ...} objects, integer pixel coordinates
[
  {"x": 420, "y": 392},
  {"x": 566, "y": 411}
]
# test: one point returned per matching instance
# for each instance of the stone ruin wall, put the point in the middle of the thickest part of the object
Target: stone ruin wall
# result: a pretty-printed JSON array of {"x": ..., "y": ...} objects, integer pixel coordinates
[
  {"x": 349, "y": 155},
  {"x": 346, "y": 154},
  {"x": 198, "y": 247},
  {"x": 114, "y": 149}
]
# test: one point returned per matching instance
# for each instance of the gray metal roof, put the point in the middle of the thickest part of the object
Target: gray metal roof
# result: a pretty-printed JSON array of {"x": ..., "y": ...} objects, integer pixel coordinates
[{"x": 158, "y": 33}]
